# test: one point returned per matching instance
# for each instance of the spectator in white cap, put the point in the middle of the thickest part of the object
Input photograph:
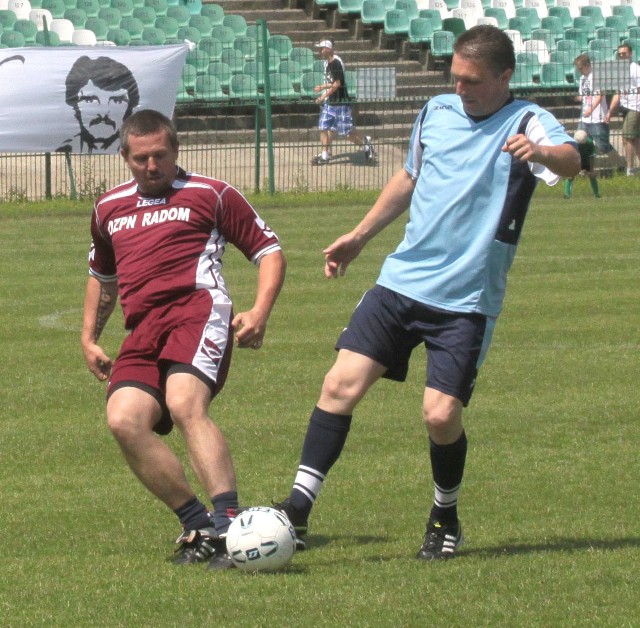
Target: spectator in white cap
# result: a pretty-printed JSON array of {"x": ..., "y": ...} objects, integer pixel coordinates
[{"x": 335, "y": 115}]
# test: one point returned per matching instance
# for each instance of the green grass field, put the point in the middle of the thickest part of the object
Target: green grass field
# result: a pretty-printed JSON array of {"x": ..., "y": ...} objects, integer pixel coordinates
[{"x": 550, "y": 503}]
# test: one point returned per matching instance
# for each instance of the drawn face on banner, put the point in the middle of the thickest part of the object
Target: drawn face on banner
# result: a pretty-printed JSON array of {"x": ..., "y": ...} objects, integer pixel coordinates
[
  {"x": 101, "y": 112},
  {"x": 103, "y": 94}
]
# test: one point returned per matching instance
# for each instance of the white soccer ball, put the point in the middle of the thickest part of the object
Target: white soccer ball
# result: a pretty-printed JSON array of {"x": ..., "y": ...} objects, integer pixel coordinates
[
  {"x": 261, "y": 539},
  {"x": 581, "y": 136}
]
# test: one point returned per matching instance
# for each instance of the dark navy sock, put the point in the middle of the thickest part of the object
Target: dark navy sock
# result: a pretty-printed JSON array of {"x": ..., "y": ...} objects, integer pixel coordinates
[
  {"x": 447, "y": 465},
  {"x": 323, "y": 443},
  {"x": 194, "y": 515},
  {"x": 225, "y": 508}
]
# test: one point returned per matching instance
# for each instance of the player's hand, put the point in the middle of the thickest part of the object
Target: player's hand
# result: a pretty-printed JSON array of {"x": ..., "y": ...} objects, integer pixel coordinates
[
  {"x": 249, "y": 329},
  {"x": 98, "y": 362},
  {"x": 340, "y": 254},
  {"x": 522, "y": 148}
]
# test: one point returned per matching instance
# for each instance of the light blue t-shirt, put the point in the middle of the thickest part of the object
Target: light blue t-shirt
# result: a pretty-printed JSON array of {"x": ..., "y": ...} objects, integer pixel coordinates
[{"x": 469, "y": 204}]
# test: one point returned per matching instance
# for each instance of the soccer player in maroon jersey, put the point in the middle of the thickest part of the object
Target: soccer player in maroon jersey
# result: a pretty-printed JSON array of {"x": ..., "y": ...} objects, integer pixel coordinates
[{"x": 158, "y": 241}]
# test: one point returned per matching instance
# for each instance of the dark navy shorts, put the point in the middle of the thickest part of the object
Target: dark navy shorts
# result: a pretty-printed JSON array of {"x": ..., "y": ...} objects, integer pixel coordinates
[{"x": 387, "y": 326}]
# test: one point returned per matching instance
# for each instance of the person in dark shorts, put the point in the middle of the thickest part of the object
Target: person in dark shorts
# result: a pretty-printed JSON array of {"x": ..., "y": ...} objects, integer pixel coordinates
[{"x": 473, "y": 161}]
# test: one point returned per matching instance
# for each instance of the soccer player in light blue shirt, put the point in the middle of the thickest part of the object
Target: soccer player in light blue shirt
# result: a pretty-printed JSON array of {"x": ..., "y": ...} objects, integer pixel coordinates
[{"x": 473, "y": 162}]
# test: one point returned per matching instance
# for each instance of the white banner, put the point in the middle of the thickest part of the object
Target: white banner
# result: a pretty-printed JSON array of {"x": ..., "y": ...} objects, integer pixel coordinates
[{"x": 75, "y": 99}]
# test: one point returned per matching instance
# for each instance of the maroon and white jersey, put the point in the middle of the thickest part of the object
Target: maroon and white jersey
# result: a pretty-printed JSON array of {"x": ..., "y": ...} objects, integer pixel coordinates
[{"x": 170, "y": 245}]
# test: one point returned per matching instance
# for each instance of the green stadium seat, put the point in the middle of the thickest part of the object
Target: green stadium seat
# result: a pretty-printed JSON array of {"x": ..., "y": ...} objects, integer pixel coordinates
[
  {"x": 243, "y": 87},
  {"x": 318, "y": 65},
  {"x": 124, "y": 6},
  {"x": 523, "y": 77},
  {"x": 234, "y": 59},
  {"x": 563, "y": 13},
  {"x": 189, "y": 33},
  {"x": 434, "y": 16},
  {"x": 214, "y": 12},
  {"x": 281, "y": 44},
  {"x": 293, "y": 69},
  {"x": 350, "y": 79},
  {"x": 579, "y": 35},
  {"x": 194, "y": 6},
  {"x": 154, "y": 36},
  {"x": 625, "y": 11},
  {"x": 256, "y": 69},
  {"x": 168, "y": 24},
  {"x": 212, "y": 47},
  {"x": 499, "y": 14},
  {"x": 27, "y": 29},
  {"x": 199, "y": 60},
  {"x": 585, "y": 23},
  {"x": 255, "y": 31},
  {"x": 119, "y": 36},
  {"x": 552, "y": 75},
  {"x": 146, "y": 15},
  {"x": 545, "y": 35},
  {"x": 410, "y": 6},
  {"x": 308, "y": 82},
  {"x": 184, "y": 95},
  {"x": 202, "y": 23},
  {"x": 282, "y": 87},
  {"x": 618, "y": 23},
  {"x": 236, "y": 23},
  {"x": 396, "y": 22},
  {"x": 569, "y": 45},
  {"x": 98, "y": 26},
  {"x": 421, "y": 30},
  {"x": 90, "y": 7},
  {"x": 47, "y": 38},
  {"x": 208, "y": 87},
  {"x": 221, "y": 71},
  {"x": 189, "y": 75},
  {"x": 224, "y": 34},
  {"x": 247, "y": 46},
  {"x": 77, "y": 16},
  {"x": 454, "y": 25},
  {"x": 610, "y": 35},
  {"x": 303, "y": 56},
  {"x": 56, "y": 7},
  {"x": 180, "y": 13},
  {"x": 373, "y": 12},
  {"x": 159, "y": 6},
  {"x": 7, "y": 19},
  {"x": 350, "y": 7},
  {"x": 442, "y": 44},
  {"x": 134, "y": 25},
  {"x": 531, "y": 15},
  {"x": 522, "y": 25},
  {"x": 12, "y": 39},
  {"x": 595, "y": 13},
  {"x": 553, "y": 24},
  {"x": 111, "y": 15}
]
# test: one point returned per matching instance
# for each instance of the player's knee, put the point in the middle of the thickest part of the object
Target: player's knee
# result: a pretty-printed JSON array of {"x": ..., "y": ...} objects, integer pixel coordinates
[
  {"x": 439, "y": 417},
  {"x": 126, "y": 426},
  {"x": 341, "y": 389}
]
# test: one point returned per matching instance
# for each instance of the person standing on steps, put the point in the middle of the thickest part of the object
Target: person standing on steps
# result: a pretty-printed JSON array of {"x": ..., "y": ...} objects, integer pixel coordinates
[{"x": 336, "y": 113}]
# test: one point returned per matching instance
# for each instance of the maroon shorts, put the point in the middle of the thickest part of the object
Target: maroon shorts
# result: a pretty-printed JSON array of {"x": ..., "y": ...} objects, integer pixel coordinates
[{"x": 192, "y": 334}]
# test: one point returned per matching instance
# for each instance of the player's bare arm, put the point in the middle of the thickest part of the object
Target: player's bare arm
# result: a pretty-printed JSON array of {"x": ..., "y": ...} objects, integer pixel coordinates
[
  {"x": 563, "y": 160},
  {"x": 100, "y": 301},
  {"x": 250, "y": 326},
  {"x": 393, "y": 201}
]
